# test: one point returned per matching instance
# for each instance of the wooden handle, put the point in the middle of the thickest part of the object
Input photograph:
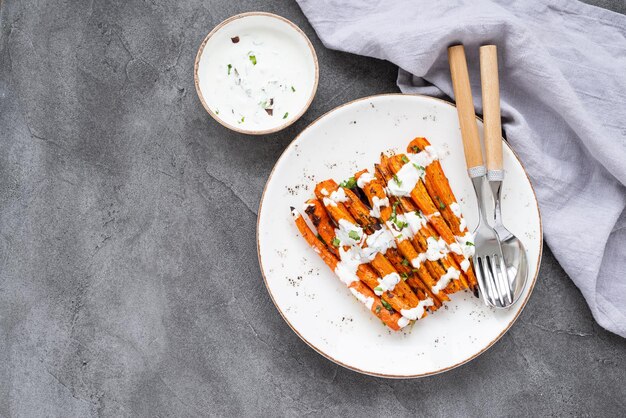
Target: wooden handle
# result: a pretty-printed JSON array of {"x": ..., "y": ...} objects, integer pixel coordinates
[
  {"x": 465, "y": 108},
  {"x": 491, "y": 106}
]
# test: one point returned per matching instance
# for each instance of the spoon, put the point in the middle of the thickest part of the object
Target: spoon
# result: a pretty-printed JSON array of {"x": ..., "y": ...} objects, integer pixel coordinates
[{"x": 513, "y": 250}]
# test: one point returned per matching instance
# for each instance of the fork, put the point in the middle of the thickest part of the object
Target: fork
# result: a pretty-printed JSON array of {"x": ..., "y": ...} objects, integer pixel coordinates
[
  {"x": 488, "y": 261},
  {"x": 512, "y": 247}
]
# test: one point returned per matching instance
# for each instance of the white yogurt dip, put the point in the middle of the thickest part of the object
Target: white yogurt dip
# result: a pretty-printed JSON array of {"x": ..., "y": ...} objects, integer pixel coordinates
[{"x": 256, "y": 73}]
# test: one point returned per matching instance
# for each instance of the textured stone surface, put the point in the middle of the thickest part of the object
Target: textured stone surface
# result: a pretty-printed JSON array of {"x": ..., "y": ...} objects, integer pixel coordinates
[{"x": 127, "y": 286}]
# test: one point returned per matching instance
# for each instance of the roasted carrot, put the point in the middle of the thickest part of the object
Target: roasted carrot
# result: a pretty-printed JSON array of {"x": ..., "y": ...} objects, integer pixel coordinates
[
  {"x": 390, "y": 318},
  {"x": 422, "y": 199},
  {"x": 338, "y": 211},
  {"x": 360, "y": 212},
  {"x": 404, "y": 269},
  {"x": 374, "y": 190},
  {"x": 439, "y": 189},
  {"x": 318, "y": 216},
  {"x": 365, "y": 272},
  {"x": 420, "y": 240}
]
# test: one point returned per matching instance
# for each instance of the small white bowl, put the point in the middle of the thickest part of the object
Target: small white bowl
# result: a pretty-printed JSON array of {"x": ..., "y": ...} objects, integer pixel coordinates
[{"x": 256, "y": 73}]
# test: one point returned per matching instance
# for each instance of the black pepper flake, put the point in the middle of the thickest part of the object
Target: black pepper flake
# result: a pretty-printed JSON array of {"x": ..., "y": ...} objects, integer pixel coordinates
[
  {"x": 235, "y": 39},
  {"x": 269, "y": 111}
]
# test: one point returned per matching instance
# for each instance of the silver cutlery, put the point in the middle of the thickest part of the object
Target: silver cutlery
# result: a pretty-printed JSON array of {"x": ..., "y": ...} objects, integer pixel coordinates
[
  {"x": 512, "y": 248},
  {"x": 489, "y": 267}
]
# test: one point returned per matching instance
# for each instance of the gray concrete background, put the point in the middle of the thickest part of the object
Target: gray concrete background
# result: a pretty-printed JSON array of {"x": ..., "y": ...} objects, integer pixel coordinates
[{"x": 127, "y": 286}]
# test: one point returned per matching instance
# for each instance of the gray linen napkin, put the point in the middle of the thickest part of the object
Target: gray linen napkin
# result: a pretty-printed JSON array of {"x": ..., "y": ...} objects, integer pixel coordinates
[{"x": 563, "y": 92}]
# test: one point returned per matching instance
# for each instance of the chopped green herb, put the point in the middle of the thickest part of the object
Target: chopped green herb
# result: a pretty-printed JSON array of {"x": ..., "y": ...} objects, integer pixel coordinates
[
  {"x": 470, "y": 244},
  {"x": 399, "y": 236},
  {"x": 378, "y": 309},
  {"x": 285, "y": 115},
  {"x": 386, "y": 305},
  {"x": 405, "y": 262},
  {"x": 441, "y": 204},
  {"x": 405, "y": 159},
  {"x": 293, "y": 89},
  {"x": 217, "y": 111},
  {"x": 378, "y": 289},
  {"x": 354, "y": 235},
  {"x": 243, "y": 118},
  {"x": 252, "y": 58},
  {"x": 229, "y": 68},
  {"x": 397, "y": 180},
  {"x": 419, "y": 167},
  {"x": 415, "y": 149},
  {"x": 394, "y": 213},
  {"x": 404, "y": 276},
  {"x": 414, "y": 270},
  {"x": 349, "y": 184},
  {"x": 336, "y": 242},
  {"x": 418, "y": 213},
  {"x": 400, "y": 224}
]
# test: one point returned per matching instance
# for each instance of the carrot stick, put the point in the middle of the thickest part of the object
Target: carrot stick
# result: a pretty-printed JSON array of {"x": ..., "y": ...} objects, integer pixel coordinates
[
  {"x": 360, "y": 212},
  {"x": 421, "y": 240},
  {"x": 375, "y": 192},
  {"x": 404, "y": 269},
  {"x": 390, "y": 318},
  {"x": 422, "y": 199},
  {"x": 322, "y": 222},
  {"x": 338, "y": 211},
  {"x": 439, "y": 189},
  {"x": 318, "y": 216}
]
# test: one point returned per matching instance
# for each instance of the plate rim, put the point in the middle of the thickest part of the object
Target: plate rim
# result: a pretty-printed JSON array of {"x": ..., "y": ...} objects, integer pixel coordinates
[
  {"x": 218, "y": 27},
  {"x": 386, "y": 375}
]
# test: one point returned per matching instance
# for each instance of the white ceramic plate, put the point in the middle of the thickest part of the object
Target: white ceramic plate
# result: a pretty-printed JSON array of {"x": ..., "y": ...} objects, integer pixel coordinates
[
  {"x": 316, "y": 305},
  {"x": 250, "y": 59}
]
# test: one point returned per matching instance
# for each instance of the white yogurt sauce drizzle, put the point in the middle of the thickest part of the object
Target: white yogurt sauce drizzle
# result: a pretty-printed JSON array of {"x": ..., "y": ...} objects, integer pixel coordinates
[
  {"x": 415, "y": 220},
  {"x": 456, "y": 210},
  {"x": 466, "y": 244},
  {"x": 379, "y": 242},
  {"x": 417, "y": 261},
  {"x": 349, "y": 234},
  {"x": 411, "y": 172},
  {"x": 437, "y": 249},
  {"x": 418, "y": 311},
  {"x": 403, "y": 322},
  {"x": 367, "y": 300},
  {"x": 400, "y": 234},
  {"x": 338, "y": 196},
  {"x": 386, "y": 283},
  {"x": 364, "y": 178},
  {"x": 346, "y": 268},
  {"x": 442, "y": 283},
  {"x": 377, "y": 204}
]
